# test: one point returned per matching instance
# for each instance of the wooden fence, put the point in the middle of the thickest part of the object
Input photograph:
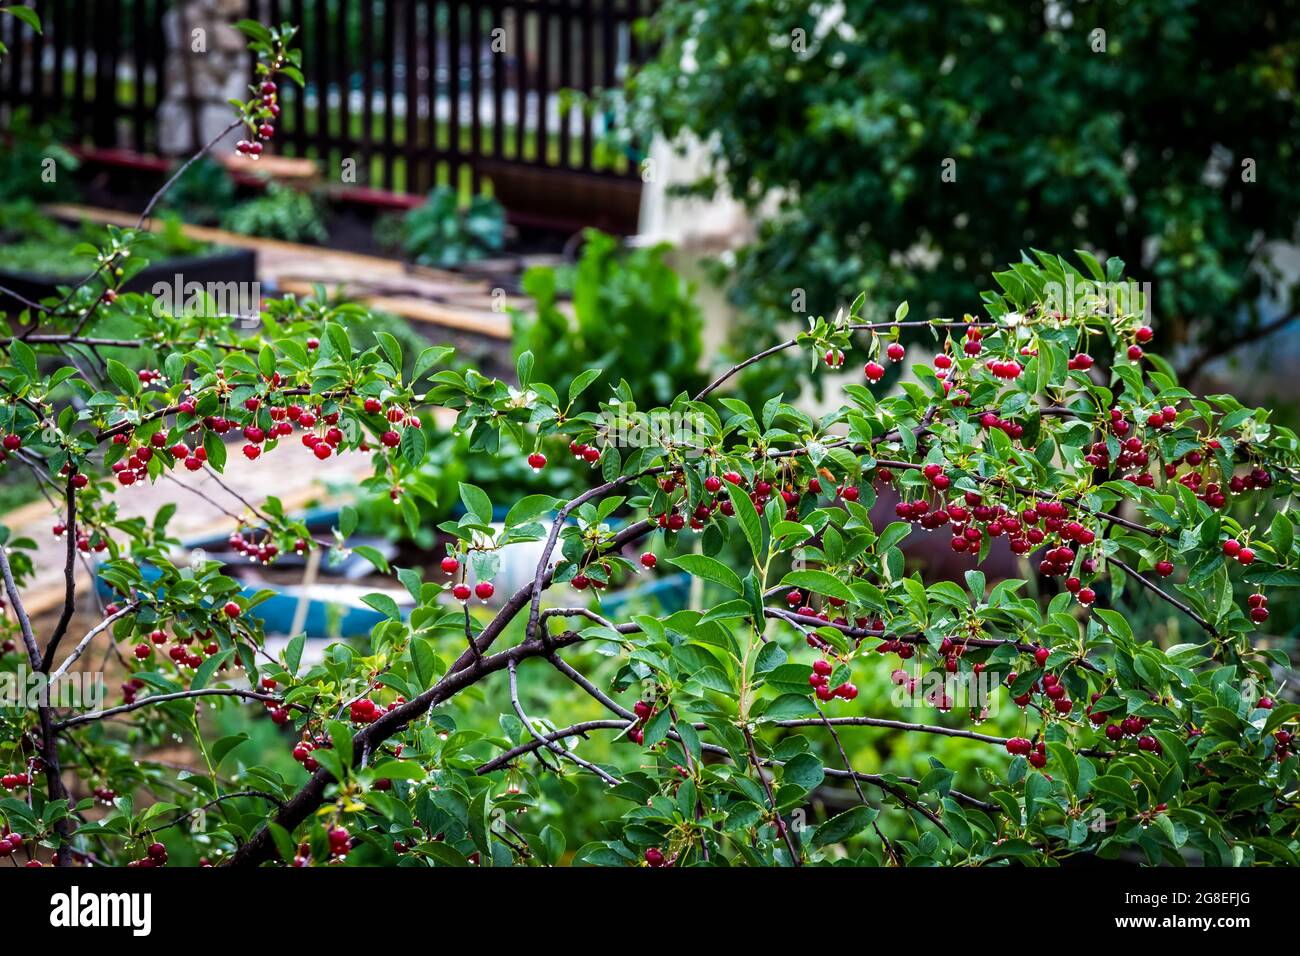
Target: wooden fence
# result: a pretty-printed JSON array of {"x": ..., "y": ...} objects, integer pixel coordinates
[{"x": 402, "y": 95}]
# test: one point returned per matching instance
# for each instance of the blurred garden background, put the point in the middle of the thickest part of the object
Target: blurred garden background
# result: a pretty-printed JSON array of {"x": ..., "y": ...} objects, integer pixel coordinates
[{"x": 658, "y": 189}]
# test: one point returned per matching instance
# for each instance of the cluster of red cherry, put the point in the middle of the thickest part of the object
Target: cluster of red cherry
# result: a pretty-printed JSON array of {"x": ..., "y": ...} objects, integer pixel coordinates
[
  {"x": 155, "y": 856},
  {"x": 252, "y": 148},
  {"x": 366, "y": 711},
  {"x": 10, "y": 843},
  {"x": 819, "y": 679},
  {"x": 1022, "y": 747},
  {"x": 644, "y": 710}
]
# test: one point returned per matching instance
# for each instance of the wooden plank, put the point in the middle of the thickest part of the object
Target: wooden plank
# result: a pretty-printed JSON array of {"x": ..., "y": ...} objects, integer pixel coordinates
[
  {"x": 219, "y": 236},
  {"x": 485, "y": 322}
]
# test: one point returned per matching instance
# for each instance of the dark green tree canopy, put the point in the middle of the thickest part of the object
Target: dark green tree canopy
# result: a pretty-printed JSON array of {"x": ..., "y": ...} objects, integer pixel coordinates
[{"x": 1156, "y": 132}]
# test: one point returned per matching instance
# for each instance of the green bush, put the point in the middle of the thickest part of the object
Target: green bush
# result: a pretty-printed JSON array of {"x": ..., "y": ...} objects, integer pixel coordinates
[
  {"x": 441, "y": 234},
  {"x": 282, "y": 213},
  {"x": 203, "y": 194},
  {"x": 633, "y": 317},
  {"x": 1164, "y": 142}
]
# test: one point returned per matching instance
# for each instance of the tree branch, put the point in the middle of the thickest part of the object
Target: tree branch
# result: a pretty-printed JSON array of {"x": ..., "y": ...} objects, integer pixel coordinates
[{"x": 164, "y": 698}]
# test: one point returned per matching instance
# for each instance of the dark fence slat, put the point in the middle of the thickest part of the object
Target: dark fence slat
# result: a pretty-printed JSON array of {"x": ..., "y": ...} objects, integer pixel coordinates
[
  {"x": 476, "y": 93},
  {"x": 473, "y": 110},
  {"x": 344, "y": 83},
  {"x": 453, "y": 87},
  {"x": 542, "y": 83},
  {"x": 390, "y": 71},
  {"x": 520, "y": 54},
  {"x": 321, "y": 80},
  {"x": 414, "y": 179},
  {"x": 499, "y": 62}
]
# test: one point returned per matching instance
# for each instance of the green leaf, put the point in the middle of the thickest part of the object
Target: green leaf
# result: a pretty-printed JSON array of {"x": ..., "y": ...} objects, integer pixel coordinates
[
  {"x": 125, "y": 379},
  {"x": 398, "y": 770},
  {"x": 524, "y": 368},
  {"x": 581, "y": 383},
  {"x": 410, "y": 579},
  {"x": 528, "y": 508},
  {"x": 747, "y": 516},
  {"x": 209, "y": 667},
  {"x": 21, "y": 353},
  {"x": 819, "y": 582},
  {"x": 709, "y": 569},
  {"x": 293, "y": 653},
  {"x": 429, "y": 358},
  {"x": 425, "y": 662},
  {"x": 392, "y": 350},
  {"x": 373, "y": 556},
  {"x": 222, "y": 748},
  {"x": 847, "y": 824},
  {"x": 413, "y": 446},
  {"x": 341, "y": 736},
  {"x": 27, "y": 15},
  {"x": 283, "y": 841},
  {"x": 804, "y": 771},
  {"x": 476, "y": 503},
  {"x": 216, "y": 450},
  {"x": 384, "y": 605}
]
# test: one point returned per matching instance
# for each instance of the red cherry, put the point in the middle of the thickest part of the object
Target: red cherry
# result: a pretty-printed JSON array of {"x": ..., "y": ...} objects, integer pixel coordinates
[
  {"x": 461, "y": 592},
  {"x": 537, "y": 461},
  {"x": 874, "y": 371},
  {"x": 484, "y": 590},
  {"x": 450, "y": 565},
  {"x": 232, "y": 610},
  {"x": 895, "y": 351},
  {"x": 390, "y": 439},
  {"x": 648, "y": 560}
]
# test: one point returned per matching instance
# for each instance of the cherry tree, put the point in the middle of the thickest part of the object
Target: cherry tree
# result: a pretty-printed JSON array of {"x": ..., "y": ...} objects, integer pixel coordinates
[{"x": 1050, "y": 434}]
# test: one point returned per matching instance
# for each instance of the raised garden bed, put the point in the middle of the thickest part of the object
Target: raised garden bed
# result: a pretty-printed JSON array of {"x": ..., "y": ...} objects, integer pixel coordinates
[{"x": 219, "y": 266}]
